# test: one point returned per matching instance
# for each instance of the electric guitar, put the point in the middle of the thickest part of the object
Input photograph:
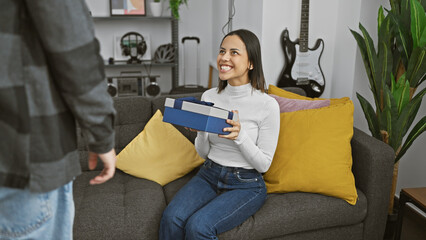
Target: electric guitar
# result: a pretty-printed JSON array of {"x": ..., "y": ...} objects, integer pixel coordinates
[{"x": 302, "y": 68}]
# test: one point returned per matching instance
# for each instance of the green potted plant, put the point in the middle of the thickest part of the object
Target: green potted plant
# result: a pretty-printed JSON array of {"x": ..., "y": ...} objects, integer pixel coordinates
[
  {"x": 174, "y": 6},
  {"x": 395, "y": 71}
]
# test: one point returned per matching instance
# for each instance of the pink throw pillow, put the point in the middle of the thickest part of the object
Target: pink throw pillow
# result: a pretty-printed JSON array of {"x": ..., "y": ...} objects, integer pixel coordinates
[{"x": 292, "y": 105}]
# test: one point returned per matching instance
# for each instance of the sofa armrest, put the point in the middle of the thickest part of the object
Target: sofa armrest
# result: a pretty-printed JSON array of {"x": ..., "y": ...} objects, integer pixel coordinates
[{"x": 373, "y": 162}]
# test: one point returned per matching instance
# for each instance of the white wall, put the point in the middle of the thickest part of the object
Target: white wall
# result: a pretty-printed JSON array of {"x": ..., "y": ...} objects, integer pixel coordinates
[
  {"x": 348, "y": 17},
  {"x": 248, "y": 15},
  {"x": 281, "y": 14},
  {"x": 278, "y": 15}
]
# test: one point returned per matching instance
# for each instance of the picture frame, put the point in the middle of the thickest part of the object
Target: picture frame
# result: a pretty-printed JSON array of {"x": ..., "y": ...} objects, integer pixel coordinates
[
  {"x": 118, "y": 52},
  {"x": 128, "y": 7}
]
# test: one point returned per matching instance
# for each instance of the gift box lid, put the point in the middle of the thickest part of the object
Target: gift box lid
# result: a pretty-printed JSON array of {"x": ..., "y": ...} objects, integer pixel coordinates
[{"x": 198, "y": 108}]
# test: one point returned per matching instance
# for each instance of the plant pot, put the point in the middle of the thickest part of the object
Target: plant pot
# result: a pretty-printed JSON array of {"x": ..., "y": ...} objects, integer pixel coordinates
[
  {"x": 156, "y": 8},
  {"x": 390, "y": 226}
]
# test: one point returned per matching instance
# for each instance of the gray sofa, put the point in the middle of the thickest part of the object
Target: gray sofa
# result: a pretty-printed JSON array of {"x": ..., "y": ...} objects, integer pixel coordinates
[{"x": 127, "y": 207}]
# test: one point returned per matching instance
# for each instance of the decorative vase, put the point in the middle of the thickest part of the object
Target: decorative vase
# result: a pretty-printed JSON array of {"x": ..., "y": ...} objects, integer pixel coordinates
[{"x": 156, "y": 8}]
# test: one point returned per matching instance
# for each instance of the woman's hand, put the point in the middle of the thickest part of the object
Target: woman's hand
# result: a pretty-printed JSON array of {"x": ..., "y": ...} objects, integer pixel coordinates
[{"x": 235, "y": 129}]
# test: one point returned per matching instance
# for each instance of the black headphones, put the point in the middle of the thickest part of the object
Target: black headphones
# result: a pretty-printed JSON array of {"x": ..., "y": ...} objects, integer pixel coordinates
[{"x": 126, "y": 47}]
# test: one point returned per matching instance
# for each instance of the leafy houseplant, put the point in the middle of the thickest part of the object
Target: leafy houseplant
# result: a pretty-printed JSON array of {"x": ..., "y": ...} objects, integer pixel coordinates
[
  {"x": 174, "y": 6},
  {"x": 395, "y": 71}
]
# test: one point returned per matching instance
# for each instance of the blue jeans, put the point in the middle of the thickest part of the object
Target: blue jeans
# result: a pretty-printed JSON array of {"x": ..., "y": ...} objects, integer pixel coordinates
[
  {"x": 26, "y": 215},
  {"x": 215, "y": 200}
]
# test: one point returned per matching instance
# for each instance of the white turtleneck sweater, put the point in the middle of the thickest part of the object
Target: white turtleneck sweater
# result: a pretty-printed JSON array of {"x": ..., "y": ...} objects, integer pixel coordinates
[{"x": 259, "y": 116}]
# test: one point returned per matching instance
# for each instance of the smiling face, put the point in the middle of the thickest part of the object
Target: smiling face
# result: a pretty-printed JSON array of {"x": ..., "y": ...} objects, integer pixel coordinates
[{"x": 233, "y": 62}]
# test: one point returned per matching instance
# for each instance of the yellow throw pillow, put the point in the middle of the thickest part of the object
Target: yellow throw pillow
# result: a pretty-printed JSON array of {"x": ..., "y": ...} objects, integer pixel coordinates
[
  {"x": 159, "y": 153},
  {"x": 314, "y": 153},
  {"x": 283, "y": 93}
]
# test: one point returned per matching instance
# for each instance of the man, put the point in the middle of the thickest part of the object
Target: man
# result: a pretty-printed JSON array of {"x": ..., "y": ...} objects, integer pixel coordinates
[{"x": 51, "y": 76}]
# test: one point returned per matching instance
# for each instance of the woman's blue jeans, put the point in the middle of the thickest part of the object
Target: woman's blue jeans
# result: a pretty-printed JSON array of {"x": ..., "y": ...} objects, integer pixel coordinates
[
  {"x": 26, "y": 215},
  {"x": 215, "y": 200}
]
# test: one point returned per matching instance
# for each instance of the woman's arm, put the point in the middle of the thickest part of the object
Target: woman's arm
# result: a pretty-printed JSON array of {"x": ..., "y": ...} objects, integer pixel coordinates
[{"x": 260, "y": 156}]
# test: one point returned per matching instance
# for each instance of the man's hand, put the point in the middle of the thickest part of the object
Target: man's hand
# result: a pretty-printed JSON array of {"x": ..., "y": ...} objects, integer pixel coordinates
[{"x": 108, "y": 159}]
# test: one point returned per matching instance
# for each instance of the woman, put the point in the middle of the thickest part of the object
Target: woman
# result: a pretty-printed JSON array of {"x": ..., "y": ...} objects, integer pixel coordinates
[{"x": 229, "y": 187}]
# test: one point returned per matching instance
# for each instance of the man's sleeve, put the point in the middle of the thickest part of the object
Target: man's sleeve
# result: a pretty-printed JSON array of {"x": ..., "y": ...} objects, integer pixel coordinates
[{"x": 65, "y": 29}]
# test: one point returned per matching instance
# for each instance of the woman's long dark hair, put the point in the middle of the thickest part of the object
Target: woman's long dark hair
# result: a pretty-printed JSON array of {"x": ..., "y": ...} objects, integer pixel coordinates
[{"x": 255, "y": 75}]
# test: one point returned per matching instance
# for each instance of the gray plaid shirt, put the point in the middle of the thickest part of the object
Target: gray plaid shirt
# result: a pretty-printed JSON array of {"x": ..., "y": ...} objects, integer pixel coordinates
[{"x": 51, "y": 76}]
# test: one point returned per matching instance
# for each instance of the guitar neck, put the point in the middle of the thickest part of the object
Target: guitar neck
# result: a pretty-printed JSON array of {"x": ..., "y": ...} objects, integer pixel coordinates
[{"x": 304, "y": 26}]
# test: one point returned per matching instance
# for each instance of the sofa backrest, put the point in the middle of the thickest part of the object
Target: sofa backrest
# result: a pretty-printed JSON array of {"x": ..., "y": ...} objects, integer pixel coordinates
[{"x": 133, "y": 113}]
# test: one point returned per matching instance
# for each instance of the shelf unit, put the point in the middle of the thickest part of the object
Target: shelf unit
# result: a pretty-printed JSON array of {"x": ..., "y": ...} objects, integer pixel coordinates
[
  {"x": 175, "y": 41},
  {"x": 122, "y": 64}
]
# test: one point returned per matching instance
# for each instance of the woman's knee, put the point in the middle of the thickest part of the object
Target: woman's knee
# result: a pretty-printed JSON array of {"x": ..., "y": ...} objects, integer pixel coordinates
[
  {"x": 172, "y": 216},
  {"x": 198, "y": 227},
  {"x": 171, "y": 225}
]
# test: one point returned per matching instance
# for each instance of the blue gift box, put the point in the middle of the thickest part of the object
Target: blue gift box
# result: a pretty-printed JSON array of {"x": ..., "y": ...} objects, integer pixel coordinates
[{"x": 196, "y": 115}]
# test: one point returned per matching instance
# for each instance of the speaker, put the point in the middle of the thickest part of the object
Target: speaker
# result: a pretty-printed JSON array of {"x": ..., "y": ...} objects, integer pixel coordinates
[
  {"x": 152, "y": 89},
  {"x": 112, "y": 88}
]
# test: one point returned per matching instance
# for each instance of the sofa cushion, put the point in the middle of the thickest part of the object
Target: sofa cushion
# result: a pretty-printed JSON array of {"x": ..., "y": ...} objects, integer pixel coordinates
[
  {"x": 314, "y": 153},
  {"x": 290, "y": 213},
  {"x": 159, "y": 153},
  {"x": 291, "y": 94},
  {"x": 349, "y": 232},
  {"x": 292, "y": 105},
  {"x": 296, "y": 90},
  {"x": 125, "y": 207}
]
